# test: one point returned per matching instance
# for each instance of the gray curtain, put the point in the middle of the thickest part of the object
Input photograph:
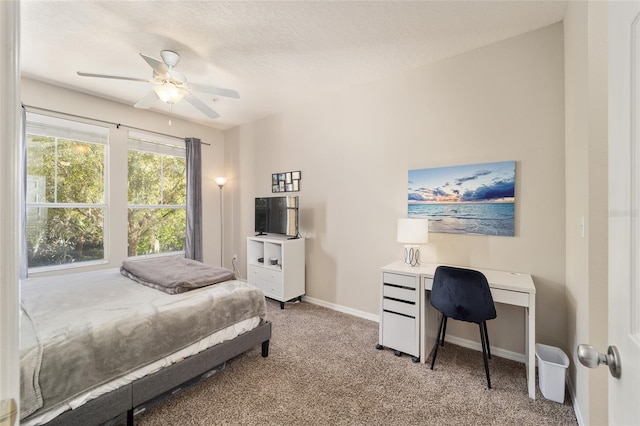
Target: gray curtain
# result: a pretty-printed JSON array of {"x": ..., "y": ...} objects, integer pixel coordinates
[
  {"x": 24, "y": 254},
  {"x": 193, "y": 242}
]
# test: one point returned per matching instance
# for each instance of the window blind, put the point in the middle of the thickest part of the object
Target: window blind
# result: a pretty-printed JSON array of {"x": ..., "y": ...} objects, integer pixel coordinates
[
  {"x": 44, "y": 125},
  {"x": 158, "y": 144}
]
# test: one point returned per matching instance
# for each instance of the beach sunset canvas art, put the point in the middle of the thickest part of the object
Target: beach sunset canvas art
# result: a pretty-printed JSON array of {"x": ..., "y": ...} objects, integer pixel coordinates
[{"x": 469, "y": 199}]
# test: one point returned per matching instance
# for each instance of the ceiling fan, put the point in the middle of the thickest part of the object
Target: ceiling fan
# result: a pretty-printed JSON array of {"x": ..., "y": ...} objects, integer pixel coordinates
[{"x": 171, "y": 86}]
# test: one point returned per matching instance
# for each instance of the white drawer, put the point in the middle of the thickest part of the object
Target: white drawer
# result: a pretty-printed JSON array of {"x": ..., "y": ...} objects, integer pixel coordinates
[
  {"x": 400, "y": 307},
  {"x": 399, "y": 333},
  {"x": 251, "y": 279},
  {"x": 399, "y": 279},
  {"x": 259, "y": 273},
  {"x": 510, "y": 297},
  {"x": 399, "y": 293},
  {"x": 272, "y": 290},
  {"x": 272, "y": 275},
  {"x": 254, "y": 272},
  {"x": 499, "y": 295}
]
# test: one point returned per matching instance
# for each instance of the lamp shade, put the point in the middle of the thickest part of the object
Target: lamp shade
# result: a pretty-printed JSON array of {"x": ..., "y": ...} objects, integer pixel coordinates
[
  {"x": 413, "y": 230},
  {"x": 221, "y": 181},
  {"x": 169, "y": 93}
]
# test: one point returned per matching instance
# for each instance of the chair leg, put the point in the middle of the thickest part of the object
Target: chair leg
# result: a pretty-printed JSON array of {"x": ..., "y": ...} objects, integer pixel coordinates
[
  {"x": 484, "y": 354},
  {"x": 486, "y": 337},
  {"x": 435, "y": 347},
  {"x": 444, "y": 330}
]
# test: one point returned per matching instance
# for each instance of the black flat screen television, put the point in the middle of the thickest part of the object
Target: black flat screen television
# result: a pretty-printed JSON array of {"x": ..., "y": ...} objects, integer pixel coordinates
[{"x": 277, "y": 215}]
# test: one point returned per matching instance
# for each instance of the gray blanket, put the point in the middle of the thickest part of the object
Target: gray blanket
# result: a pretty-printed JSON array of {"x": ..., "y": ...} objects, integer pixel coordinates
[
  {"x": 174, "y": 274},
  {"x": 30, "y": 361},
  {"x": 90, "y": 328}
]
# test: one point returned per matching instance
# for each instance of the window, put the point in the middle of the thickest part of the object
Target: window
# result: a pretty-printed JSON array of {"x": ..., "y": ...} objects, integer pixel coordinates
[
  {"x": 66, "y": 187},
  {"x": 157, "y": 195}
]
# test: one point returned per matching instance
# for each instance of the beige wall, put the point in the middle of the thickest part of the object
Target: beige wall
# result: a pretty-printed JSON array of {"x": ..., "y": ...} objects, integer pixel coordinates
[
  {"x": 586, "y": 176},
  {"x": 354, "y": 148},
  {"x": 38, "y": 94}
]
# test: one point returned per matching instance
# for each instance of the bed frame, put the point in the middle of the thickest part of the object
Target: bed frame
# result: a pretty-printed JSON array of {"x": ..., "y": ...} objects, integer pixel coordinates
[{"x": 124, "y": 400}]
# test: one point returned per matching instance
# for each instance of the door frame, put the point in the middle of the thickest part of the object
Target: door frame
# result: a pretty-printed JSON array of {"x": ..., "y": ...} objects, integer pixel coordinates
[{"x": 10, "y": 188}]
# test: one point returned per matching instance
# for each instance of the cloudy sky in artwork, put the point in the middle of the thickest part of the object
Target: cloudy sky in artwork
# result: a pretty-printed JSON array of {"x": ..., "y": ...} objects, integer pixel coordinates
[{"x": 488, "y": 182}]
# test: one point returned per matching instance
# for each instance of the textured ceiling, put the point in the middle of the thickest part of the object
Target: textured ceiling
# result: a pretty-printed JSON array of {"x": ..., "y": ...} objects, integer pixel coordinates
[{"x": 273, "y": 53}]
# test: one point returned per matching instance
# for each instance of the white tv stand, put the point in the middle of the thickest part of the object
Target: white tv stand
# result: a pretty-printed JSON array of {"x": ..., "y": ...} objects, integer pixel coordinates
[{"x": 284, "y": 281}]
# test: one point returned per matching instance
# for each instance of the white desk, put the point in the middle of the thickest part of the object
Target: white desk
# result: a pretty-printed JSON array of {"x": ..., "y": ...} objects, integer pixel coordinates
[{"x": 510, "y": 288}]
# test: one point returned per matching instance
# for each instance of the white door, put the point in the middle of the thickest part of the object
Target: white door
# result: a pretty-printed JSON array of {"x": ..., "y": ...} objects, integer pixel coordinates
[{"x": 624, "y": 209}]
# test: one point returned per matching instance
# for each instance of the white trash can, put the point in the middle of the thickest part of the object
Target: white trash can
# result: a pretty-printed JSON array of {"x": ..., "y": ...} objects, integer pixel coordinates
[{"x": 552, "y": 366}]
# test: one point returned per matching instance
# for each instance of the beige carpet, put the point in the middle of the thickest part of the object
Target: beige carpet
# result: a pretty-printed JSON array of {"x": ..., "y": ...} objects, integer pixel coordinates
[{"x": 323, "y": 369}]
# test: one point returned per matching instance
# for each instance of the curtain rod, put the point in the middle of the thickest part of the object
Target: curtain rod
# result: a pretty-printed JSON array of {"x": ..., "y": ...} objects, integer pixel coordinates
[{"x": 118, "y": 125}]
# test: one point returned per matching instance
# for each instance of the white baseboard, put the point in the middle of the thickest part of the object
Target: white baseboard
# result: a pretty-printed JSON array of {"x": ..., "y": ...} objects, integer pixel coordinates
[
  {"x": 339, "y": 308},
  {"x": 502, "y": 353},
  {"x": 574, "y": 400},
  {"x": 514, "y": 356}
]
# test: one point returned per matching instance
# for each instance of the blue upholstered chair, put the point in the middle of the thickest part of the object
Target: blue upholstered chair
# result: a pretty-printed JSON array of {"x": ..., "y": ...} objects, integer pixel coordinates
[{"x": 464, "y": 295}]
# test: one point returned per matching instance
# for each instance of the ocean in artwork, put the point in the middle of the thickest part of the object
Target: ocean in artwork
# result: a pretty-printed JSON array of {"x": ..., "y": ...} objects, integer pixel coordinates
[
  {"x": 467, "y": 218},
  {"x": 466, "y": 199}
]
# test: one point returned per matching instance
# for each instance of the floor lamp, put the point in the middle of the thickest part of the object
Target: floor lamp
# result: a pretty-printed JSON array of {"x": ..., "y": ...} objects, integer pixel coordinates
[{"x": 221, "y": 181}]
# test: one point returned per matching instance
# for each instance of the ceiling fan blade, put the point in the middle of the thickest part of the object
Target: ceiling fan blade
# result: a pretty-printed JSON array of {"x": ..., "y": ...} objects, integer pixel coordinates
[
  {"x": 177, "y": 75},
  {"x": 193, "y": 100},
  {"x": 116, "y": 77},
  {"x": 158, "y": 66},
  {"x": 215, "y": 91},
  {"x": 148, "y": 101}
]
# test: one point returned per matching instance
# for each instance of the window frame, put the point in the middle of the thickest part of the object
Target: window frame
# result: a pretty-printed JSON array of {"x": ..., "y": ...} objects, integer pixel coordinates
[
  {"x": 58, "y": 128},
  {"x": 155, "y": 144}
]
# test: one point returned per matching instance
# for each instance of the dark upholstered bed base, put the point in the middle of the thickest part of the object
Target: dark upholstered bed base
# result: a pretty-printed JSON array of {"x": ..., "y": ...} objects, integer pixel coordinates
[{"x": 125, "y": 399}]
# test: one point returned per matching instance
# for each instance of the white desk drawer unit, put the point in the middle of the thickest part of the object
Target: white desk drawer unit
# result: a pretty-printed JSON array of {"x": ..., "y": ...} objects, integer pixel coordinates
[{"x": 399, "y": 314}]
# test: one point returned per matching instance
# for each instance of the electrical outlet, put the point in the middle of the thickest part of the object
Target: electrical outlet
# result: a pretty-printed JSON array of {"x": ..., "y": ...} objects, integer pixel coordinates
[{"x": 235, "y": 258}]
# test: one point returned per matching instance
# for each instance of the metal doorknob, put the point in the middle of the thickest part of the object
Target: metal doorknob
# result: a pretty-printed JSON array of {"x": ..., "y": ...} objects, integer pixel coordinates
[{"x": 590, "y": 357}]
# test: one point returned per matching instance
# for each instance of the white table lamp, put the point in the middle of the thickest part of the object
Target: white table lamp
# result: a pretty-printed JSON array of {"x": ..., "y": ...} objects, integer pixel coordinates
[{"x": 413, "y": 232}]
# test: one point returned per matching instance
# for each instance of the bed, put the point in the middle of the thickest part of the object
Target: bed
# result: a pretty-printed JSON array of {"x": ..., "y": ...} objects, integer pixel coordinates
[{"x": 95, "y": 346}]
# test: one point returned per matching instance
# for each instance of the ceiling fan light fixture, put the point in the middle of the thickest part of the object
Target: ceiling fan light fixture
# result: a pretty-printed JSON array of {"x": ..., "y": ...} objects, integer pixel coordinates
[
  {"x": 169, "y": 93},
  {"x": 170, "y": 85}
]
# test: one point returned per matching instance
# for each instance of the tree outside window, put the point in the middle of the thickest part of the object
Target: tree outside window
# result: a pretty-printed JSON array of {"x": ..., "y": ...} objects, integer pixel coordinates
[
  {"x": 156, "y": 197},
  {"x": 66, "y": 196},
  {"x": 65, "y": 199}
]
